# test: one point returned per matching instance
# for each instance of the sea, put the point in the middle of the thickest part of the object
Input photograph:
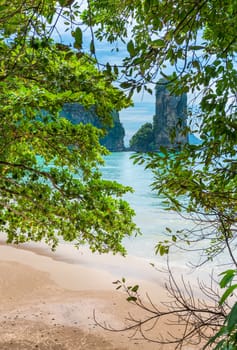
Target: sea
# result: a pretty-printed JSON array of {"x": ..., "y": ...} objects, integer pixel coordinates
[{"x": 152, "y": 216}]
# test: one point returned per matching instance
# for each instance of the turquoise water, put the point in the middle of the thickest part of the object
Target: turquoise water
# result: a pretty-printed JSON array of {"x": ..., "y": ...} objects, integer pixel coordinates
[{"x": 151, "y": 216}]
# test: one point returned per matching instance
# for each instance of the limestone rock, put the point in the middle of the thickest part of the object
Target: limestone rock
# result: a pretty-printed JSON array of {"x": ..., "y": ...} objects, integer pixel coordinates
[
  {"x": 114, "y": 139},
  {"x": 169, "y": 123},
  {"x": 170, "y": 119}
]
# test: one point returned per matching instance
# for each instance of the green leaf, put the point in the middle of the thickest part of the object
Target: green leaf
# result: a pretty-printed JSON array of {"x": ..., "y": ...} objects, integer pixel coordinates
[
  {"x": 135, "y": 288},
  {"x": 196, "y": 64},
  {"x": 65, "y": 3},
  {"x": 161, "y": 249},
  {"x": 131, "y": 49},
  {"x": 232, "y": 318},
  {"x": 77, "y": 34},
  {"x": 147, "y": 5},
  {"x": 125, "y": 85},
  {"x": 108, "y": 68},
  {"x": 158, "y": 43},
  {"x": 92, "y": 47},
  {"x": 131, "y": 298},
  {"x": 116, "y": 71},
  {"x": 163, "y": 150},
  {"x": 227, "y": 293},
  {"x": 228, "y": 277},
  {"x": 196, "y": 47}
]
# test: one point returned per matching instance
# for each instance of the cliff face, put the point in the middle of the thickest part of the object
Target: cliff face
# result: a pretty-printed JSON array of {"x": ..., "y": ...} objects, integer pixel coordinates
[
  {"x": 114, "y": 139},
  {"x": 168, "y": 124},
  {"x": 170, "y": 118}
]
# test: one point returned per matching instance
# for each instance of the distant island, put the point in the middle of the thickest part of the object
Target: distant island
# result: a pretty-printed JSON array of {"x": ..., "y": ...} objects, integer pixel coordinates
[
  {"x": 169, "y": 123},
  {"x": 168, "y": 128}
]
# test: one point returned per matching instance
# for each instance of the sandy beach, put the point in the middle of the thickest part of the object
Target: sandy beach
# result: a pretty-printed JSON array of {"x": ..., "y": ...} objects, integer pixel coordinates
[{"x": 47, "y": 299}]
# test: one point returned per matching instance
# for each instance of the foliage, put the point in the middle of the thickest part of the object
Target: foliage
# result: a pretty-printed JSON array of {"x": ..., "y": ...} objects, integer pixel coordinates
[
  {"x": 142, "y": 141},
  {"x": 190, "y": 38},
  {"x": 226, "y": 336},
  {"x": 197, "y": 39},
  {"x": 50, "y": 184}
]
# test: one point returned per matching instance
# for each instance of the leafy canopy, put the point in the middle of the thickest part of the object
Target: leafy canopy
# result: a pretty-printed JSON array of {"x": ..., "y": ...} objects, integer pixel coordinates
[
  {"x": 198, "y": 41},
  {"x": 50, "y": 184},
  {"x": 193, "y": 45}
]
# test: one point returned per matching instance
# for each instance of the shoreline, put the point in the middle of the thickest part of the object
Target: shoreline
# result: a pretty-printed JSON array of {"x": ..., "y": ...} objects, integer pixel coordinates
[{"x": 48, "y": 298}]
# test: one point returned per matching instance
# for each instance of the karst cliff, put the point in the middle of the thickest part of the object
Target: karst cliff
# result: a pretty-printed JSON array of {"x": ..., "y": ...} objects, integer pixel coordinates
[
  {"x": 114, "y": 139},
  {"x": 169, "y": 123}
]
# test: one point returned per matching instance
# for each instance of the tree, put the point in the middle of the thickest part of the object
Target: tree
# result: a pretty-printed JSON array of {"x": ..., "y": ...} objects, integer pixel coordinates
[
  {"x": 143, "y": 140},
  {"x": 50, "y": 183},
  {"x": 197, "y": 39}
]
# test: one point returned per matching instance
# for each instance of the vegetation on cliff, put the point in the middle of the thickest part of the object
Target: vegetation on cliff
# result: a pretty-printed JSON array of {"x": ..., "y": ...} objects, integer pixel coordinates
[
  {"x": 169, "y": 127},
  {"x": 143, "y": 140}
]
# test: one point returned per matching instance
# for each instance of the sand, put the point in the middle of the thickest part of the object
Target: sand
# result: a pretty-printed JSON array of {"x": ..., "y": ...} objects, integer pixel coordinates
[{"x": 48, "y": 299}]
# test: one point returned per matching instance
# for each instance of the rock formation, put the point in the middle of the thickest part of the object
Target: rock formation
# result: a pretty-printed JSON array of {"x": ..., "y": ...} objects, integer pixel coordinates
[
  {"x": 169, "y": 122},
  {"x": 114, "y": 139},
  {"x": 170, "y": 118}
]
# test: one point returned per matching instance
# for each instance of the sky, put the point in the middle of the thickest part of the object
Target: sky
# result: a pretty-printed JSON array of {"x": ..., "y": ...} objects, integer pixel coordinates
[{"x": 143, "y": 109}]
